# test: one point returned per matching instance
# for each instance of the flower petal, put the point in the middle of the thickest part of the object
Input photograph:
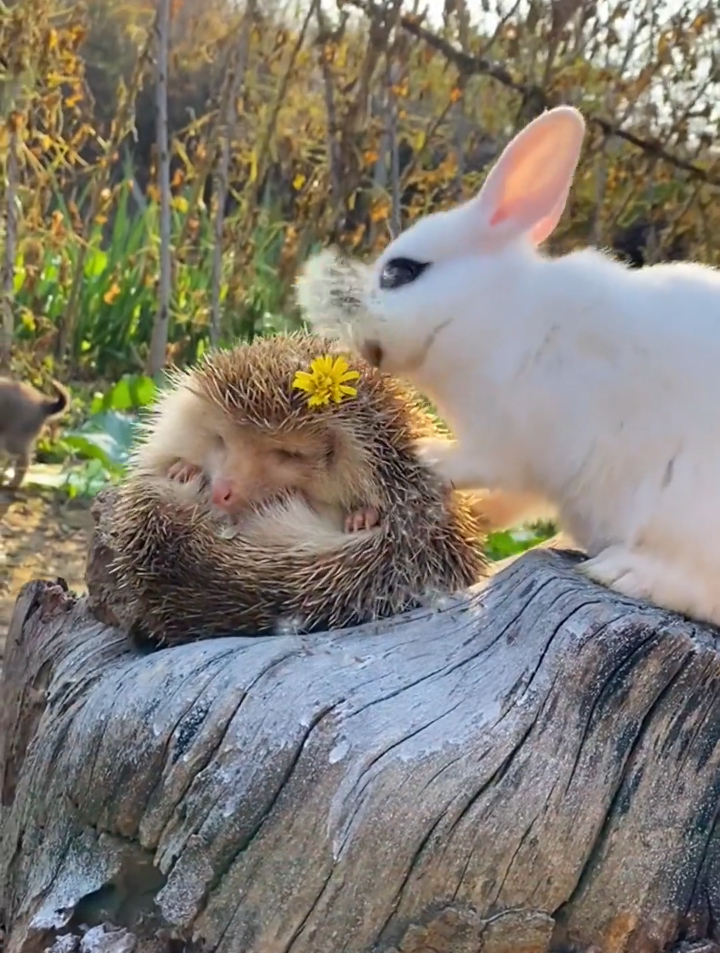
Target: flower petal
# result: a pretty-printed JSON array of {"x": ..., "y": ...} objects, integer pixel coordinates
[
  {"x": 304, "y": 381},
  {"x": 349, "y": 376},
  {"x": 322, "y": 365},
  {"x": 319, "y": 400},
  {"x": 339, "y": 367},
  {"x": 348, "y": 391}
]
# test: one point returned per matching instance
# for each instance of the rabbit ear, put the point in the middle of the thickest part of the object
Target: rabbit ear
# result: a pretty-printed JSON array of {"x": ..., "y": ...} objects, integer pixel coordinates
[{"x": 527, "y": 188}]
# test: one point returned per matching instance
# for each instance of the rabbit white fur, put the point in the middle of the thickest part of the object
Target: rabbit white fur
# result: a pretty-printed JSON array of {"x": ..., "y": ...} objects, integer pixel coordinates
[{"x": 574, "y": 380}]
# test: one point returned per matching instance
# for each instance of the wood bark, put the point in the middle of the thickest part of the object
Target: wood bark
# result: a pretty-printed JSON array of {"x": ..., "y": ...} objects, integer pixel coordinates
[{"x": 533, "y": 768}]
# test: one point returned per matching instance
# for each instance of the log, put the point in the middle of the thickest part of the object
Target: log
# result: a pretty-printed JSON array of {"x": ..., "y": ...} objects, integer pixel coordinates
[{"x": 532, "y": 768}]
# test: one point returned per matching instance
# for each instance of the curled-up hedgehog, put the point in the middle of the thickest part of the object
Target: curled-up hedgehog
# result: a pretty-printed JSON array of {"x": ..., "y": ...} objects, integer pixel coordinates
[{"x": 278, "y": 489}]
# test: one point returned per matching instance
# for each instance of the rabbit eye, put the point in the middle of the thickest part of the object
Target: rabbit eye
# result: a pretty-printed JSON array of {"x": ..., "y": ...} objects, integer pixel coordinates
[{"x": 401, "y": 271}]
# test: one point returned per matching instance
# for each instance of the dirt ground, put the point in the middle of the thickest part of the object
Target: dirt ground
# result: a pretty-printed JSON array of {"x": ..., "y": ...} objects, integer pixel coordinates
[{"x": 42, "y": 536}]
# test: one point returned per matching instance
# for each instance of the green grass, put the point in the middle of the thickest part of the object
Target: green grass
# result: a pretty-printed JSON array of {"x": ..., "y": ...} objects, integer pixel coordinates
[{"x": 117, "y": 299}]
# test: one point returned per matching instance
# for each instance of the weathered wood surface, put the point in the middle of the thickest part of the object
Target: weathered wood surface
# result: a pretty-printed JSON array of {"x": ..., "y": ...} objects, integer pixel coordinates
[{"x": 536, "y": 768}]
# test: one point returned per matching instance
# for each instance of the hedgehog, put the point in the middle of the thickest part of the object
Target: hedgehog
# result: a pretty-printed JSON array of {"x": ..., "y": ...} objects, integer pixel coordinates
[{"x": 348, "y": 528}]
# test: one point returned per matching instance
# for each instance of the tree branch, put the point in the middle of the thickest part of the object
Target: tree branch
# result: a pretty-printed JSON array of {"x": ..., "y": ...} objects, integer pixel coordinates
[{"x": 478, "y": 65}]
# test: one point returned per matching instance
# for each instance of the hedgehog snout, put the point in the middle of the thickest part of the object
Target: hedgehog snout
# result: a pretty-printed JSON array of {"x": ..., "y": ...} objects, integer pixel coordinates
[{"x": 223, "y": 493}]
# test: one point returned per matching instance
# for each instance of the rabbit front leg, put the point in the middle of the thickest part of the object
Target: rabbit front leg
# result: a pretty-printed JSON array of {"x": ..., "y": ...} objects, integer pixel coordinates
[
  {"x": 500, "y": 509},
  {"x": 452, "y": 464}
]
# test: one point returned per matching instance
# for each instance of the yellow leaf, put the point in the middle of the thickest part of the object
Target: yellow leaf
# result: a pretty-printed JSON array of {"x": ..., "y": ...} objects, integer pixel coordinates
[
  {"x": 455, "y": 95},
  {"x": 180, "y": 204},
  {"x": 664, "y": 47},
  {"x": 379, "y": 212},
  {"x": 112, "y": 293},
  {"x": 703, "y": 19},
  {"x": 298, "y": 181},
  {"x": 253, "y": 166}
]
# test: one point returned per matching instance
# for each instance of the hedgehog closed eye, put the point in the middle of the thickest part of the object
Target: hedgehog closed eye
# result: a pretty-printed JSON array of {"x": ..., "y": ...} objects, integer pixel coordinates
[{"x": 284, "y": 454}]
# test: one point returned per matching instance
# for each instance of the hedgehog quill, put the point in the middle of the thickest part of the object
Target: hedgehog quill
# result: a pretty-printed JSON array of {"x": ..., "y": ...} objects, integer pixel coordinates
[{"x": 311, "y": 456}]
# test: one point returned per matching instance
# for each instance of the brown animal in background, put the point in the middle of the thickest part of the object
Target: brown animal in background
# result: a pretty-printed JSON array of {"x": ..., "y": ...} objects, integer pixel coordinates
[{"x": 24, "y": 411}]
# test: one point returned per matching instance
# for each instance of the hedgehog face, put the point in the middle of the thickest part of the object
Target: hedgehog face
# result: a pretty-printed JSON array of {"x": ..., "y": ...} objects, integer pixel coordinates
[{"x": 247, "y": 466}]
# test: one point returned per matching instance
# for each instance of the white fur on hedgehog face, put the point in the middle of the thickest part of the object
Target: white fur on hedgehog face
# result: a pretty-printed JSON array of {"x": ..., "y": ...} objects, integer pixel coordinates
[{"x": 343, "y": 299}]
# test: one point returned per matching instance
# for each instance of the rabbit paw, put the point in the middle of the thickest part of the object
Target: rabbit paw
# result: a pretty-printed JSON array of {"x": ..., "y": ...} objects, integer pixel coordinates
[
  {"x": 449, "y": 463},
  {"x": 629, "y": 573},
  {"x": 655, "y": 580},
  {"x": 367, "y": 518}
]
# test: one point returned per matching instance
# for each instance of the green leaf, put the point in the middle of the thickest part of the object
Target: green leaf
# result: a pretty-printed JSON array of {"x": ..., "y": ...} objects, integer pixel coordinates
[
  {"x": 85, "y": 481},
  {"x": 105, "y": 437},
  {"x": 18, "y": 278},
  {"x": 95, "y": 263},
  {"x": 131, "y": 392}
]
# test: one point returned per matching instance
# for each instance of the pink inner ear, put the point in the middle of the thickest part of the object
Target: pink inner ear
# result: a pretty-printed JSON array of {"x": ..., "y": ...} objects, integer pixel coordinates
[
  {"x": 527, "y": 189},
  {"x": 499, "y": 215},
  {"x": 546, "y": 226}
]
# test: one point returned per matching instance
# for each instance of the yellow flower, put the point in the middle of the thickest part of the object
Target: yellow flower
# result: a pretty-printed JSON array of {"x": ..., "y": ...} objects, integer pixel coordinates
[{"x": 326, "y": 381}]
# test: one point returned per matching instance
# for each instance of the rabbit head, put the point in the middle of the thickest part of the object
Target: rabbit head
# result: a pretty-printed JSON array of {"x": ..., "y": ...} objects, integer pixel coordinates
[{"x": 451, "y": 267}]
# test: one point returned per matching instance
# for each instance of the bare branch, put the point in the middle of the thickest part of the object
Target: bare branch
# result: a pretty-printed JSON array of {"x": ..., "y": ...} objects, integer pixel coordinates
[
  {"x": 7, "y": 272},
  {"x": 234, "y": 81},
  {"x": 333, "y": 145},
  {"x": 477, "y": 65},
  {"x": 158, "y": 344}
]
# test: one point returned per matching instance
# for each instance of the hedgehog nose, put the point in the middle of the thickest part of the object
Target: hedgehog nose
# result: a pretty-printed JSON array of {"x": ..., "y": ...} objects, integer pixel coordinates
[
  {"x": 223, "y": 493},
  {"x": 372, "y": 352}
]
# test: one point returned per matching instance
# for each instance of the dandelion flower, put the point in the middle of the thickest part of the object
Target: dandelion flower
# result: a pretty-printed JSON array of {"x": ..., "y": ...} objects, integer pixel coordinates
[{"x": 326, "y": 381}]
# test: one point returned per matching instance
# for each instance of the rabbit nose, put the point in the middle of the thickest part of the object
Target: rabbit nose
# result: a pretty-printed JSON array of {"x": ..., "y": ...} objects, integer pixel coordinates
[{"x": 373, "y": 352}]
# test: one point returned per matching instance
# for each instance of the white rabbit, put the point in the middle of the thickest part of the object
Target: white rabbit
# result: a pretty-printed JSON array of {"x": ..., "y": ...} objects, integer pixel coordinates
[{"x": 572, "y": 380}]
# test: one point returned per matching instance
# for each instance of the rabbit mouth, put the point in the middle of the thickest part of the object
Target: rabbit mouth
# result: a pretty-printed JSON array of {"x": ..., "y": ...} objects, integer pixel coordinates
[{"x": 373, "y": 353}]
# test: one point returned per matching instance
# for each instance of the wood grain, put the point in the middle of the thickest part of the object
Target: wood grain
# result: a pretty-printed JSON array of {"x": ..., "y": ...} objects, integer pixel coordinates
[{"x": 533, "y": 768}]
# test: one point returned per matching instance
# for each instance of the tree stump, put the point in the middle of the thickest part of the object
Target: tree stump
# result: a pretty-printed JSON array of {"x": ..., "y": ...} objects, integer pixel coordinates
[{"x": 533, "y": 768}]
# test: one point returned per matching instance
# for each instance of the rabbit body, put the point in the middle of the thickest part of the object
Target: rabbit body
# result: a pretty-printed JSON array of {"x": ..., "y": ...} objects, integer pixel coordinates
[
  {"x": 571, "y": 383},
  {"x": 604, "y": 401}
]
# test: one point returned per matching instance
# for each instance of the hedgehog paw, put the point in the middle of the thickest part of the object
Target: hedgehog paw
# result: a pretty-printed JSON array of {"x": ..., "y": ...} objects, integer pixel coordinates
[
  {"x": 183, "y": 472},
  {"x": 367, "y": 518}
]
